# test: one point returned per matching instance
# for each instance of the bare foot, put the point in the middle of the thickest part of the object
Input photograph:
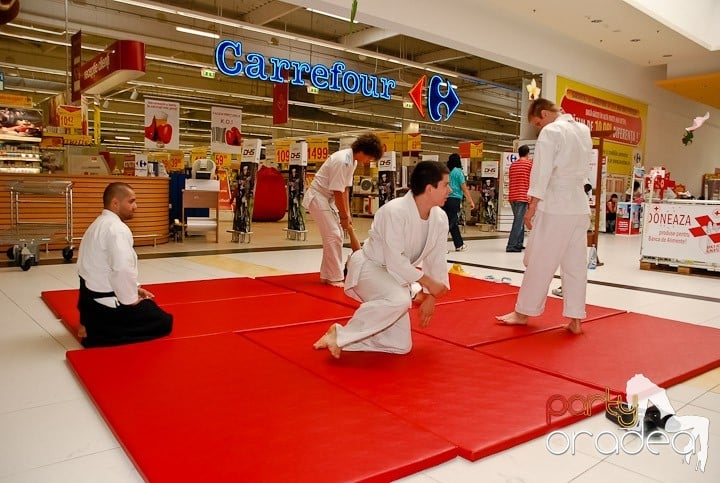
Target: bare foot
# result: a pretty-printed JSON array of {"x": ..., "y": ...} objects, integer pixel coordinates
[
  {"x": 329, "y": 342},
  {"x": 82, "y": 333},
  {"x": 338, "y": 283},
  {"x": 513, "y": 318},
  {"x": 574, "y": 327}
]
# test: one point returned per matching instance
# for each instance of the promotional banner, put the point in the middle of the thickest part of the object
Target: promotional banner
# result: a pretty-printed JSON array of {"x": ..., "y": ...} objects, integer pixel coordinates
[
  {"x": 387, "y": 167},
  {"x": 688, "y": 232},
  {"x": 471, "y": 149},
  {"x": 489, "y": 191},
  {"x": 162, "y": 124},
  {"x": 296, "y": 186},
  {"x": 627, "y": 221},
  {"x": 225, "y": 130},
  {"x": 70, "y": 117},
  {"x": 603, "y": 111},
  {"x": 244, "y": 198},
  {"x": 20, "y": 124}
]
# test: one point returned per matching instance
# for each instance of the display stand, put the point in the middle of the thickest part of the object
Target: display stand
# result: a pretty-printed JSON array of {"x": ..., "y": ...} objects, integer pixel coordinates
[
  {"x": 202, "y": 199},
  {"x": 296, "y": 190}
]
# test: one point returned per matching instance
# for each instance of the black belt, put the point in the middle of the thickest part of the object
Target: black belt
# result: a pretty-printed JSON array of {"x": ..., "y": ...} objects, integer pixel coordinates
[{"x": 91, "y": 293}]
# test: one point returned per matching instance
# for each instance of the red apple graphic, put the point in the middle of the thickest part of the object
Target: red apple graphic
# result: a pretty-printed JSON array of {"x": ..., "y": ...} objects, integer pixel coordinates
[
  {"x": 230, "y": 137},
  {"x": 237, "y": 136},
  {"x": 151, "y": 131},
  {"x": 164, "y": 133}
]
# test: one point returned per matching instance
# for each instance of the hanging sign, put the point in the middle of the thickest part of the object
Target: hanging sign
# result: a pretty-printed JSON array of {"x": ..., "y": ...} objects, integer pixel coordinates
[
  {"x": 471, "y": 149},
  {"x": 70, "y": 117},
  {"x": 318, "y": 150},
  {"x": 282, "y": 152},
  {"x": 162, "y": 124},
  {"x": 226, "y": 130}
]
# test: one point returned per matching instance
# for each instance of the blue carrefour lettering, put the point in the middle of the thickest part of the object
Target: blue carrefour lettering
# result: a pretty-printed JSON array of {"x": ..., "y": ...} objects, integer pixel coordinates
[{"x": 335, "y": 78}]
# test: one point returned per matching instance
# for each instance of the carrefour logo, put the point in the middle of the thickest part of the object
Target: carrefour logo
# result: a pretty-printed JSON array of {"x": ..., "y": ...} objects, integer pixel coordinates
[
  {"x": 334, "y": 78},
  {"x": 439, "y": 93}
]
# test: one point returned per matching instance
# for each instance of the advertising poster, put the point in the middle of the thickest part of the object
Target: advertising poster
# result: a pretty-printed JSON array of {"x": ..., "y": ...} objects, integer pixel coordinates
[
  {"x": 489, "y": 191},
  {"x": 603, "y": 111},
  {"x": 244, "y": 198},
  {"x": 387, "y": 166},
  {"x": 689, "y": 232},
  {"x": 226, "y": 130},
  {"x": 162, "y": 124},
  {"x": 296, "y": 186},
  {"x": 627, "y": 220}
]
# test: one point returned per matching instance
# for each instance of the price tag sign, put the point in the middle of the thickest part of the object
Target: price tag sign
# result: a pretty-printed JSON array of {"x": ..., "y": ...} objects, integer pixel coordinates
[
  {"x": 70, "y": 117},
  {"x": 282, "y": 152},
  {"x": 318, "y": 150},
  {"x": 222, "y": 159},
  {"x": 176, "y": 162}
]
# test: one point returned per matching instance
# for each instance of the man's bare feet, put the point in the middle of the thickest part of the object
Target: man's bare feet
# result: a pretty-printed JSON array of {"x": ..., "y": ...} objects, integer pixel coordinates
[
  {"x": 574, "y": 327},
  {"x": 338, "y": 283},
  {"x": 329, "y": 342},
  {"x": 513, "y": 318}
]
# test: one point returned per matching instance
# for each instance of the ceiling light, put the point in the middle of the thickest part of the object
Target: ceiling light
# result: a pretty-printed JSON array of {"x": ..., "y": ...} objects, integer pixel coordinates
[
  {"x": 200, "y": 33},
  {"x": 156, "y": 7},
  {"x": 634, "y": 40},
  {"x": 106, "y": 103},
  {"x": 134, "y": 95},
  {"x": 122, "y": 138},
  {"x": 34, "y": 29},
  {"x": 330, "y": 15}
]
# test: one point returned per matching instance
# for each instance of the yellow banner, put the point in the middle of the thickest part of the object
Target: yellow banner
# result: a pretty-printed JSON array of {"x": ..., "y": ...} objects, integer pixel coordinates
[
  {"x": 318, "y": 150},
  {"x": 388, "y": 140},
  {"x": 198, "y": 153},
  {"x": 15, "y": 101},
  {"x": 409, "y": 142},
  {"x": 70, "y": 117},
  {"x": 176, "y": 161}
]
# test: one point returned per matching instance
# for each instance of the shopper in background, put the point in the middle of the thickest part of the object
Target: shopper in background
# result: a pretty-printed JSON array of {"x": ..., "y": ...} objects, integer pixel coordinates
[
  {"x": 558, "y": 214},
  {"x": 406, "y": 232},
  {"x": 328, "y": 201},
  {"x": 518, "y": 197},
  {"x": 114, "y": 309},
  {"x": 611, "y": 213},
  {"x": 453, "y": 205}
]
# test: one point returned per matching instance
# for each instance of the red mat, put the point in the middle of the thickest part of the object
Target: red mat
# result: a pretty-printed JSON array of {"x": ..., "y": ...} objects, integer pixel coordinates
[
  {"x": 250, "y": 313},
  {"x": 221, "y": 408},
  {"x": 461, "y": 288},
  {"x": 63, "y": 303},
  {"x": 472, "y": 323},
  {"x": 614, "y": 349},
  {"x": 480, "y": 403},
  {"x": 309, "y": 283}
]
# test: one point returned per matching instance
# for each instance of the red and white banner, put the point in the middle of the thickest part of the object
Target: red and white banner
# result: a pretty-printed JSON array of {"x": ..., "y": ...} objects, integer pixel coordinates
[
  {"x": 226, "y": 130},
  {"x": 603, "y": 115},
  {"x": 162, "y": 124},
  {"x": 684, "y": 231}
]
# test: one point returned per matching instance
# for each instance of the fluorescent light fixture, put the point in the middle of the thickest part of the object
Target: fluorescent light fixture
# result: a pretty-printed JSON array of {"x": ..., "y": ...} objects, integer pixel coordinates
[
  {"x": 134, "y": 94},
  {"x": 151, "y": 6},
  {"x": 199, "y": 33},
  {"x": 330, "y": 15},
  {"x": 106, "y": 103},
  {"x": 122, "y": 138},
  {"x": 34, "y": 29}
]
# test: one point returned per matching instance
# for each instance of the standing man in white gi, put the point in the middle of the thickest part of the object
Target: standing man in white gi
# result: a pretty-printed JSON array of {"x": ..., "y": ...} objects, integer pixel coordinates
[
  {"x": 114, "y": 309},
  {"x": 558, "y": 214},
  {"x": 328, "y": 201},
  {"x": 383, "y": 275}
]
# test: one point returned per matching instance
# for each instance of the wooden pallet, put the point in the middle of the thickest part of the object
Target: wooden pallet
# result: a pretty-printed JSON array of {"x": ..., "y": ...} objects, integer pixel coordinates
[{"x": 683, "y": 270}]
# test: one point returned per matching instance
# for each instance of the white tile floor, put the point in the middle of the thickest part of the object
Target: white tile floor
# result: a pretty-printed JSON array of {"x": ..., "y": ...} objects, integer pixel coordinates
[{"x": 51, "y": 432}]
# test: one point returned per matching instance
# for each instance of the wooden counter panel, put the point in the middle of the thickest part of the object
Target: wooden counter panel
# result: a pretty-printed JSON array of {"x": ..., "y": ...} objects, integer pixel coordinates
[{"x": 151, "y": 217}]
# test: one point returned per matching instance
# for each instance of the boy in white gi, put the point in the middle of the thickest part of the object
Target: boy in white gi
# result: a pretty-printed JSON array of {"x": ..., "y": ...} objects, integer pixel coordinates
[
  {"x": 383, "y": 275},
  {"x": 113, "y": 308},
  {"x": 327, "y": 199},
  {"x": 558, "y": 214}
]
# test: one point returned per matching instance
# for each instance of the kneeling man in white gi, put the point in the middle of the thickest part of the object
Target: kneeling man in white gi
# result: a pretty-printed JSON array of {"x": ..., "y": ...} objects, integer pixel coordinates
[{"x": 384, "y": 274}]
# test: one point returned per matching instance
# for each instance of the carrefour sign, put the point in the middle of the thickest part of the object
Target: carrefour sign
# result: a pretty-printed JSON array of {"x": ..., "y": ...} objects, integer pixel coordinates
[{"x": 334, "y": 78}]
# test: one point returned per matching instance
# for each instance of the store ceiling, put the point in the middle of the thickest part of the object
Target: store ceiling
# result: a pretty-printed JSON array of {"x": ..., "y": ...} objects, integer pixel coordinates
[{"x": 35, "y": 63}]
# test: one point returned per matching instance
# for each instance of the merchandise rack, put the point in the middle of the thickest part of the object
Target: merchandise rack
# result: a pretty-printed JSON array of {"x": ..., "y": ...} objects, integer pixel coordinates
[{"x": 25, "y": 235}]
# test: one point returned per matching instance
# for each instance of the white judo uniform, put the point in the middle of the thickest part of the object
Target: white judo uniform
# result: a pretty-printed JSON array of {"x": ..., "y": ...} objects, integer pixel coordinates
[
  {"x": 335, "y": 174},
  {"x": 559, "y": 233},
  {"x": 381, "y": 273}
]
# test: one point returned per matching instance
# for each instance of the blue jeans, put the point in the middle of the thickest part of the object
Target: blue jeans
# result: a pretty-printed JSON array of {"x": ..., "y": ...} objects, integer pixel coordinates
[
  {"x": 452, "y": 208},
  {"x": 517, "y": 232}
]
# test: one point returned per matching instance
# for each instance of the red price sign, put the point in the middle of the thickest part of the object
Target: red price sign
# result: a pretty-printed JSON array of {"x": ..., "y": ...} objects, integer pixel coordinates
[{"x": 69, "y": 117}]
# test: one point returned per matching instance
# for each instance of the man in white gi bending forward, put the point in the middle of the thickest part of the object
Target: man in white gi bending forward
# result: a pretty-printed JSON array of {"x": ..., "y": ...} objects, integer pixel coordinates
[
  {"x": 558, "y": 214},
  {"x": 327, "y": 199},
  {"x": 113, "y": 308},
  {"x": 383, "y": 275}
]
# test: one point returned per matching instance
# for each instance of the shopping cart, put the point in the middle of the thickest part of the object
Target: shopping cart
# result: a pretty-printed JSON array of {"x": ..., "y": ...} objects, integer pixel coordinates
[{"x": 36, "y": 218}]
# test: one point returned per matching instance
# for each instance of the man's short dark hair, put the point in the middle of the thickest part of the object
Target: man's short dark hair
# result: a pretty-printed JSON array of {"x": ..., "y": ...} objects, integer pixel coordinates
[
  {"x": 425, "y": 173},
  {"x": 538, "y": 106},
  {"x": 369, "y": 144},
  {"x": 117, "y": 190},
  {"x": 523, "y": 150},
  {"x": 613, "y": 196}
]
